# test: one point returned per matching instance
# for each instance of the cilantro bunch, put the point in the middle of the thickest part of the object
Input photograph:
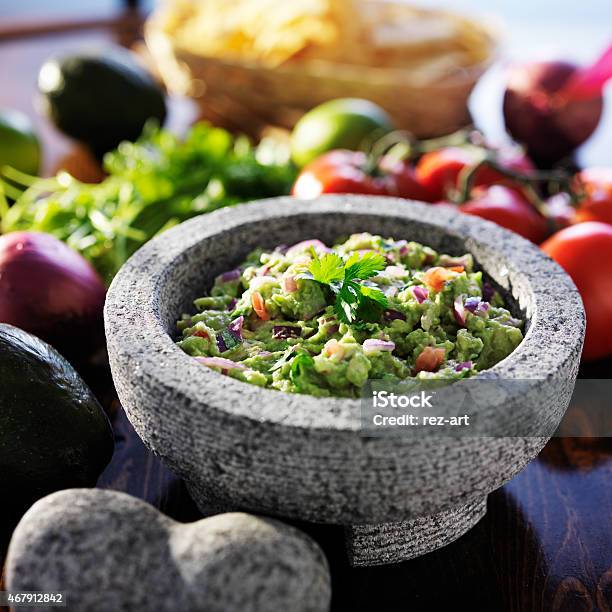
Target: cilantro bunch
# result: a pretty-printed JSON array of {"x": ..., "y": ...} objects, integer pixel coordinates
[
  {"x": 355, "y": 299},
  {"x": 152, "y": 184}
]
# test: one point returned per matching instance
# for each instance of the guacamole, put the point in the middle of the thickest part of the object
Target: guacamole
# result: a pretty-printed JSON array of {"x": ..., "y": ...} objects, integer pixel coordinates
[{"x": 320, "y": 321}]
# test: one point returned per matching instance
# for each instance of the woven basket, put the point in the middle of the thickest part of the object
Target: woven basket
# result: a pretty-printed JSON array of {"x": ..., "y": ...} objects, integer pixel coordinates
[{"x": 249, "y": 97}]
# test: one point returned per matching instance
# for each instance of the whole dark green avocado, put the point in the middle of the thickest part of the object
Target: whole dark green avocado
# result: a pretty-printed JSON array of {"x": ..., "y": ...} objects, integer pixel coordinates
[
  {"x": 100, "y": 97},
  {"x": 53, "y": 432}
]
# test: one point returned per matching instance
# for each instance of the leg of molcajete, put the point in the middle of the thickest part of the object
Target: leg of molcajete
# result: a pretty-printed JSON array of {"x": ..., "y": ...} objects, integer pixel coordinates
[{"x": 394, "y": 542}]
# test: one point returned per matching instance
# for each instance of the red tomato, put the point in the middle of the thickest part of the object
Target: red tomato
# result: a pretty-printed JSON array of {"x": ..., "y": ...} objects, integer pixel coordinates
[
  {"x": 259, "y": 306},
  {"x": 439, "y": 171},
  {"x": 597, "y": 185},
  {"x": 583, "y": 251},
  {"x": 436, "y": 277},
  {"x": 342, "y": 171},
  {"x": 507, "y": 208},
  {"x": 429, "y": 359}
]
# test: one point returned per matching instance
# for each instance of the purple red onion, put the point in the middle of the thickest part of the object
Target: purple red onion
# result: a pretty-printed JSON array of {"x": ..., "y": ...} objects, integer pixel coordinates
[
  {"x": 51, "y": 291},
  {"x": 464, "y": 365},
  {"x": 420, "y": 293},
  {"x": 476, "y": 306},
  {"x": 459, "y": 310},
  {"x": 371, "y": 345},
  {"x": 235, "y": 327},
  {"x": 393, "y": 315},
  {"x": 403, "y": 247},
  {"x": 472, "y": 303},
  {"x": 231, "y": 275},
  {"x": 282, "y": 332},
  {"x": 233, "y": 335}
]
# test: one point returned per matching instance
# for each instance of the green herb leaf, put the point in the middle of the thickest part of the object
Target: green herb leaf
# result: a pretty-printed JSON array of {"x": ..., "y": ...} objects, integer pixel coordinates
[
  {"x": 328, "y": 269},
  {"x": 364, "y": 266},
  {"x": 301, "y": 365},
  {"x": 372, "y": 304},
  {"x": 354, "y": 300},
  {"x": 374, "y": 294},
  {"x": 152, "y": 184},
  {"x": 284, "y": 359}
]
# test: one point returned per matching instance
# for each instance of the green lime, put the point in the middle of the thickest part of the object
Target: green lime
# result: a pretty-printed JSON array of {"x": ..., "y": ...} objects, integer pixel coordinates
[
  {"x": 346, "y": 123},
  {"x": 19, "y": 146}
]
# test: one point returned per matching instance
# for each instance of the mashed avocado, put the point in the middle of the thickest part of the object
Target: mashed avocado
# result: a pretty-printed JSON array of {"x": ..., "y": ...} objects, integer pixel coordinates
[{"x": 320, "y": 321}]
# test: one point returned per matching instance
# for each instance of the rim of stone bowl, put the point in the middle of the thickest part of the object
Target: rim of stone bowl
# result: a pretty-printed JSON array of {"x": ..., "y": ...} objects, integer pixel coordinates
[{"x": 139, "y": 333}]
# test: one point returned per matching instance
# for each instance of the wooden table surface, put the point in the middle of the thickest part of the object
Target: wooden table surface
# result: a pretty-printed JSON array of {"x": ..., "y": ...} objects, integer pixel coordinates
[{"x": 546, "y": 541}]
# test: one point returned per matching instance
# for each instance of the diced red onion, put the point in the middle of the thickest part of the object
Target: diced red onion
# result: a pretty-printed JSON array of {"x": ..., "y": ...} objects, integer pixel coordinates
[
  {"x": 392, "y": 315},
  {"x": 333, "y": 329},
  {"x": 231, "y": 275},
  {"x": 232, "y": 304},
  {"x": 282, "y": 332},
  {"x": 289, "y": 284},
  {"x": 221, "y": 344},
  {"x": 234, "y": 330},
  {"x": 472, "y": 303},
  {"x": 372, "y": 345},
  {"x": 487, "y": 291},
  {"x": 220, "y": 362},
  {"x": 403, "y": 247},
  {"x": 464, "y": 365},
  {"x": 420, "y": 293},
  {"x": 476, "y": 306},
  {"x": 459, "y": 310},
  {"x": 235, "y": 327},
  {"x": 317, "y": 245}
]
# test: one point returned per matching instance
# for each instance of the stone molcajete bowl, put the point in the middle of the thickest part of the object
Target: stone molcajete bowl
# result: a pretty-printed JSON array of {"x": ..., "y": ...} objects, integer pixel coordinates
[{"x": 240, "y": 447}]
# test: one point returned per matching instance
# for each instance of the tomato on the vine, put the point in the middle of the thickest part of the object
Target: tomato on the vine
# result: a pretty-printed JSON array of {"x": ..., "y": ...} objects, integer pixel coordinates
[
  {"x": 343, "y": 171},
  {"x": 438, "y": 171},
  {"x": 583, "y": 251},
  {"x": 596, "y": 185},
  {"x": 507, "y": 208}
]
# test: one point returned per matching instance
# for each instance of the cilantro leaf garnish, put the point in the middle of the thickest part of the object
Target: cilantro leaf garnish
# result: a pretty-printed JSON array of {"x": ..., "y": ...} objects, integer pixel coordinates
[
  {"x": 354, "y": 300},
  {"x": 364, "y": 266},
  {"x": 328, "y": 269}
]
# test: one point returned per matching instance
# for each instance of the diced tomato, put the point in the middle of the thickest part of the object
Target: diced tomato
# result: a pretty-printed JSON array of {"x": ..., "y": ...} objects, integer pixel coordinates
[
  {"x": 259, "y": 306},
  {"x": 436, "y": 277},
  {"x": 430, "y": 359},
  {"x": 458, "y": 269},
  {"x": 201, "y": 334}
]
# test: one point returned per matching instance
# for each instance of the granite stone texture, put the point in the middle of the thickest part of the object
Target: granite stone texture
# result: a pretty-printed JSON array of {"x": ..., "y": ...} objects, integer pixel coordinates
[
  {"x": 110, "y": 551},
  {"x": 242, "y": 447}
]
